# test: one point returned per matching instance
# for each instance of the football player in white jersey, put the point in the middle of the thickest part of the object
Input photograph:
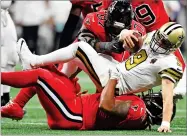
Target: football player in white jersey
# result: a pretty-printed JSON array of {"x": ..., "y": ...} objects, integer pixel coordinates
[
  {"x": 9, "y": 56},
  {"x": 154, "y": 64}
]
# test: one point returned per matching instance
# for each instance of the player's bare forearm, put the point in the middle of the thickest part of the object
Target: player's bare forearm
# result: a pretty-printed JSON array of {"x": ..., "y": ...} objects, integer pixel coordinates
[
  {"x": 107, "y": 100},
  {"x": 167, "y": 94}
]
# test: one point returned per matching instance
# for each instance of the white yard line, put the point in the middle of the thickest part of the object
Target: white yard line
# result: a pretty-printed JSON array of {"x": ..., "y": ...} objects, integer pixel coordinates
[
  {"x": 179, "y": 128},
  {"x": 181, "y": 110},
  {"x": 25, "y": 123}
]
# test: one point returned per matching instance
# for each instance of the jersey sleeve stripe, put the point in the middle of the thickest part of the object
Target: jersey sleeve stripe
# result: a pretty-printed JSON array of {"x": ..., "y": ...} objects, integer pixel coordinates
[
  {"x": 169, "y": 75},
  {"x": 173, "y": 72}
]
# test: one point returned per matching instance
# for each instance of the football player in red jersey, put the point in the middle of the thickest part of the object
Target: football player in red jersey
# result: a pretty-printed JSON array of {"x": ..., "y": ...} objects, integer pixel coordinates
[
  {"x": 100, "y": 30},
  {"x": 147, "y": 12},
  {"x": 66, "y": 109}
]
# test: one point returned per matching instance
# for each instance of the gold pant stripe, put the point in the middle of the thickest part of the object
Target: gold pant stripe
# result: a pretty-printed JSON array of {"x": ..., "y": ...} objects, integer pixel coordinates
[{"x": 82, "y": 56}]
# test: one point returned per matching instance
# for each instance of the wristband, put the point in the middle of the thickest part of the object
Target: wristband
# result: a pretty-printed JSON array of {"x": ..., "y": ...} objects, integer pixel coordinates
[{"x": 165, "y": 123}]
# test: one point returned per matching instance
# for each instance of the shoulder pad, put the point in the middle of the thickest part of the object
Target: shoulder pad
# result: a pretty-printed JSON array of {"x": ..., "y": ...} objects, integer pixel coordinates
[{"x": 95, "y": 21}]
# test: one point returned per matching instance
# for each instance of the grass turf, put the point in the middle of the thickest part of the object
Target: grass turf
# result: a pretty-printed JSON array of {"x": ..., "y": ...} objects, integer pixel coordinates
[{"x": 35, "y": 121}]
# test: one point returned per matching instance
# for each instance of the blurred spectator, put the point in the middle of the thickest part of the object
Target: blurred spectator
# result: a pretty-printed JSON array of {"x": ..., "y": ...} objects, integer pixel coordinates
[
  {"x": 60, "y": 13},
  {"x": 177, "y": 12},
  {"x": 172, "y": 8},
  {"x": 30, "y": 15},
  {"x": 182, "y": 19}
]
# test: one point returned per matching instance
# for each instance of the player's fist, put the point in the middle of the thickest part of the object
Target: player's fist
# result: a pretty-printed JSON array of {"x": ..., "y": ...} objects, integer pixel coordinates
[{"x": 164, "y": 129}]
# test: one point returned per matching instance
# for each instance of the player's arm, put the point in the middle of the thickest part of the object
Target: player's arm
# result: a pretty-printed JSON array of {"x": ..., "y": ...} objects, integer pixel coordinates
[
  {"x": 167, "y": 95},
  {"x": 170, "y": 77},
  {"x": 107, "y": 100},
  {"x": 109, "y": 105},
  {"x": 87, "y": 36}
]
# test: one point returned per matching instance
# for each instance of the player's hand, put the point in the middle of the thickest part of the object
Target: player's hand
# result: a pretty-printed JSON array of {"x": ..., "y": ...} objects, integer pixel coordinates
[
  {"x": 126, "y": 36},
  {"x": 164, "y": 129}
]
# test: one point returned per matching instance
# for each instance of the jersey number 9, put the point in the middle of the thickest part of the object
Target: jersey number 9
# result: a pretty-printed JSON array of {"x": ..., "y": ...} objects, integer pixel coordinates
[
  {"x": 145, "y": 15},
  {"x": 136, "y": 59}
]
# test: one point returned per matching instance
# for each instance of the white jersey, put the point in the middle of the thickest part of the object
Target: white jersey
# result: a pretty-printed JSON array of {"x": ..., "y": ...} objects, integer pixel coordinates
[{"x": 145, "y": 69}]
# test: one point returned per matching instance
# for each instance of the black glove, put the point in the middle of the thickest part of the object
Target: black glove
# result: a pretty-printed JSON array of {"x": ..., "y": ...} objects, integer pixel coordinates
[{"x": 114, "y": 46}]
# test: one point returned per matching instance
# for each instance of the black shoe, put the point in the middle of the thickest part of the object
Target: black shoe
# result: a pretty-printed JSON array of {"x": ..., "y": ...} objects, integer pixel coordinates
[
  {"x": 5, "y": 99},
  {"x": 177, "y": 97}
]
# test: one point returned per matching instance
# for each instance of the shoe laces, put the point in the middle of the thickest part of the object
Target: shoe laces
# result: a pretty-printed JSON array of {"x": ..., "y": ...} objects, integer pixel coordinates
[{"x": 9, "y": 104}]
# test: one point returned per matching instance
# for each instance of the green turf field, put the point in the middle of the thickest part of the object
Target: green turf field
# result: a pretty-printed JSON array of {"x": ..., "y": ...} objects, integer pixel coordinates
[{"x": 34, "y": 121}]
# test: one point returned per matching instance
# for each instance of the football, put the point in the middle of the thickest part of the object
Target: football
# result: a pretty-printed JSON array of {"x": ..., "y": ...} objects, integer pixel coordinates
[{"x": 138, "y": 44}]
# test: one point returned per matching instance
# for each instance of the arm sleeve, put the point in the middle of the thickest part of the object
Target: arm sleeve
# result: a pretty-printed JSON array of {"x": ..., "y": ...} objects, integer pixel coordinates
[
  {"x": 87, "y": 36},
  {"x": 173, "y": 71}
]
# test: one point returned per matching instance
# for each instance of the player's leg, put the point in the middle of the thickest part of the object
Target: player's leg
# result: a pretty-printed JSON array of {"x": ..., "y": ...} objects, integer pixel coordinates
[
  {"x": 56, "y": 93},
  {"x": 97, "y": 66},
  {"x": 5, "y": 96},
  {"x": 20, "y": 79},
  {"x": 9, "y": 56},
  {"x": 62, "y": 106},
  {"x": 69, "y": 68},
  {"x": 14, "y": 109}
]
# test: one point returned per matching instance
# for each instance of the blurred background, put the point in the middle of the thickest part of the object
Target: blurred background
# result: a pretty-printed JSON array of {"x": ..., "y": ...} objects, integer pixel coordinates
[{"x": 41, "y": 22}]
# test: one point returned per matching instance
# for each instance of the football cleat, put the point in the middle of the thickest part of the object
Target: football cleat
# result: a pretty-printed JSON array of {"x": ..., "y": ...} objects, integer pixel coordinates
[
  {"x": 25, "y": 54},
  {"x": 12, "y": 110}
]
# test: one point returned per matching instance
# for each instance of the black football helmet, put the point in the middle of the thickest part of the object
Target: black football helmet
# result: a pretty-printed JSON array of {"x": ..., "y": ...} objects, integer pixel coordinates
[
  {"x": 154, "y": 106},
  {"x": 119, "y": 17}
]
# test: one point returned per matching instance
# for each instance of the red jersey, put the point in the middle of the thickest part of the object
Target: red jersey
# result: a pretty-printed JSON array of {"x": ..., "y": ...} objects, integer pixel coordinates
[
  {"x": 135, "y": 118},
  {"x": 150, "y": 13},
  {"x": 94, "y": 22},
  {"x": 90, "y": 105},
  {"x": 88, "y": 5},
  {"x": 92, "y": 114},
  {"x": 106, "y": 3}
]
